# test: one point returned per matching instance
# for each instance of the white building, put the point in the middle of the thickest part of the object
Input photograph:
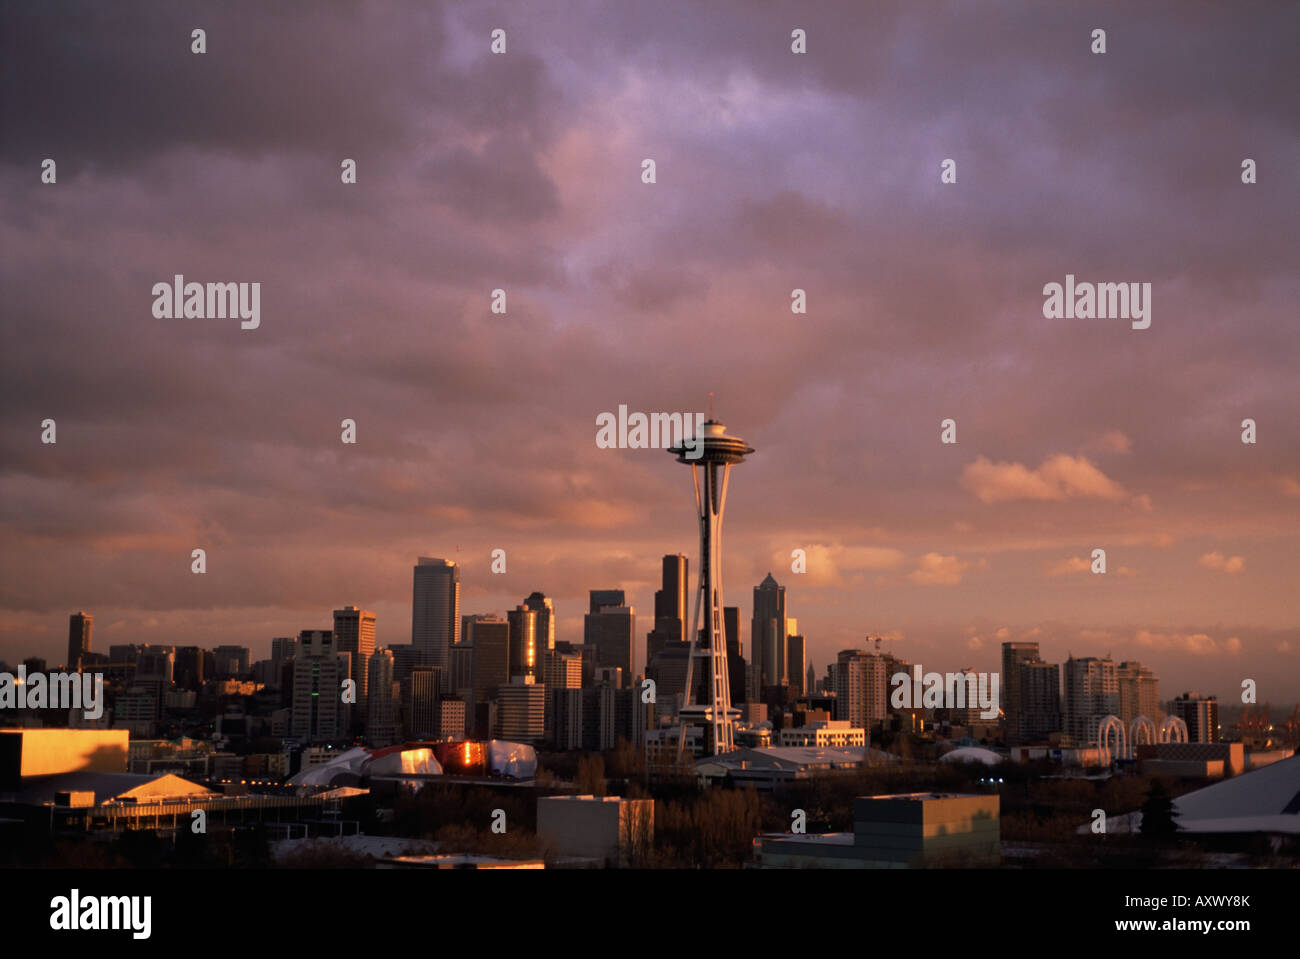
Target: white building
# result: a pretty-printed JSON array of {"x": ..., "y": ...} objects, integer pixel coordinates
[{"x": 835, "y": 732}]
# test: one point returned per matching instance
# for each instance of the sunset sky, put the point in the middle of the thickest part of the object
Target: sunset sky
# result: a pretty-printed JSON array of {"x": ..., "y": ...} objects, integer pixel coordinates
[{"x": 775, "y": 171}]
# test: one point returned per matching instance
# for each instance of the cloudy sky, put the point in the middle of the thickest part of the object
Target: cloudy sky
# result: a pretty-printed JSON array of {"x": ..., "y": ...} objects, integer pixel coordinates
[{"x": 775, "y": 171}]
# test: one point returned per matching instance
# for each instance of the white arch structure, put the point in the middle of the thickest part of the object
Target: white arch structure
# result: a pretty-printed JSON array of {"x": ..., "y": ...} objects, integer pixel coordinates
[
  {"x": 1173, "y": 730},
  {"x": 1109, "y": 725},
  {"x": 1142, "y": 731}
]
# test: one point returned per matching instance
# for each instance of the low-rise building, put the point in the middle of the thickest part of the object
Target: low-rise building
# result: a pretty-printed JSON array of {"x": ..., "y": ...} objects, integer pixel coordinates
[{"x": 899, "y": 831}]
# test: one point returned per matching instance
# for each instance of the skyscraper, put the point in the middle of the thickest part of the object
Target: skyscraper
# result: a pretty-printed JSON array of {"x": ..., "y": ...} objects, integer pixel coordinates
[
  {"x": 1040, "y": 701},
  {"x": 521, "y": 709},
  {"x": 419, "y": 696},
  {"x": 1201, "y": 714},
  {"x": 795, "y": 661},
  {"x": 79, "y": 627},
  {"x": 670, "y": 607},
  {"x": 490, "y": 638},
  {"x": 355, "y": 630},
  {"x": 767, "y": 632},
  {"x": 233, "y": 662},
  {"x": 381, "y": 718},
  {"x": 189, "y": 668},
  {"x": 524, "y": 657},
  {"x": 1013, "y": 654},
  {"x": 319, "y": 669},
  {"x": 1091, "y": 694},
  {"x": 735, "y": 653},
  {"x": 861, "y": 684},
  {"x": 283, "y": 649},
  {"x": 609, "y": 628},
  {"x": 435, "y": 611},
  {"x": 1139, "y": 693},
  {"x": 545, "y": 610}
]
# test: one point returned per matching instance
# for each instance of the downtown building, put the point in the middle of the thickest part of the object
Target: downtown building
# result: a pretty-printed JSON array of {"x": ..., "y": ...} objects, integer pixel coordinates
[
  {"x": 1201, "y": 714},
  {"x": 1031, "y": 694},
  {"x": 544, "y": 609},
  {"x": 1139, "y": 693},
  {"x": 670, "y": 608},
  {"x": 381, "y": 710},
  {"x": 521, "y": 711},
  {"x": 419, "y": 694},
  {"x": 1091, "y": 694},
  {"x": 80, "y": 626},
  {"x": 525, "y": 659},
  {"x": 767, "y": 636},
  {"x": 318, "y": 713},
  {"x": 608, "y": 629},
  {"x": 435, "y": 612},
  {"x": 354, "y": 632},
  {"x": 860, "y": 681},
  {"x": 488, "y": 640}
]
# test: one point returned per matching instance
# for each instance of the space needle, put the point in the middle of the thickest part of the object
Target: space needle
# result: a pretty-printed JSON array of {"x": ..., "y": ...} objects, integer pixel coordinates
[{"x": 710, "y": 470}]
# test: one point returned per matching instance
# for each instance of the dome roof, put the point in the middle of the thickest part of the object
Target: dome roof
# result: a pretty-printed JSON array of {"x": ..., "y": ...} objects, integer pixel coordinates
[{"x": 972, "y": 754}]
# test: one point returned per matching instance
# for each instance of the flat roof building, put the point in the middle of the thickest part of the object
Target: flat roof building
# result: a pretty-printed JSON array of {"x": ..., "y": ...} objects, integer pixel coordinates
[{"x": 898, "y": 831}]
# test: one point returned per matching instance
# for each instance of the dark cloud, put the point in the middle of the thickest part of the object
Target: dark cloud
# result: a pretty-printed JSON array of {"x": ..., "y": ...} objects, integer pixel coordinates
[{"x": 522, "y": 172}]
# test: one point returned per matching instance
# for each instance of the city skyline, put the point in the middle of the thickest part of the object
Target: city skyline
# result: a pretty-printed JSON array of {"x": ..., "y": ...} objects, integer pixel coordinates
[{"x": 639, "y": 638}]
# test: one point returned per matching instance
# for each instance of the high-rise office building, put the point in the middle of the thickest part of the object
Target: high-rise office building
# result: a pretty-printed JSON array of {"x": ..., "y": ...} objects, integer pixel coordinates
[
  {"x": 155, "y": 668},
  {"x": 599, "y": 718},
  {"x": 566, "y": 707},
  {"x": 462, "y": 667},
  {"x": 435, "y": 611},
  {"x": 545, "y": 610},
  {"x": 405, "y": 658},
  {"x": 354, "y": 628},
  {"x": 381, "y": 714},
  {"x": 419, "y": 694},
  {"x": 1091, "y": 694},
  {"x": 490, "y": 638},
  {"x": 767, "y": 633},
  {"x": 1201, "y": 714},
  {"x": 561, "y": 671},
  {"x": 283, "y": 649},
  {"x": 233, "y": 662},
  {"x": 524, "y": 657},
  {"x": 79, "y": 629},
  {"x": 1139, "y": 693},
  {"x": 609, "y": 628},
  {"x": 319, "y": 713},
  {"x": 451, "y": 718},
  {"x": 735, "y": 654},
  {"x": 795, "y": 658},
  {"x": 521, "y": 709},
  {"x": 670, "y": 607},
  {"x": 189, "y": 668}
]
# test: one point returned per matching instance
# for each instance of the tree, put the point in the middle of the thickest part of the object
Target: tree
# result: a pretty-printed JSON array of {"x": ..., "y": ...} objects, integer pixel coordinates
[
  {"x": 1159, "y": 817},
  {"x": 591, "y": 774}
]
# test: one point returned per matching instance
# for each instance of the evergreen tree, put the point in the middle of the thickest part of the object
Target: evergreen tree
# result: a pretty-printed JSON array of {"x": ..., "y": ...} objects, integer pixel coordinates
[{"x": 1159, "y": 818}]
